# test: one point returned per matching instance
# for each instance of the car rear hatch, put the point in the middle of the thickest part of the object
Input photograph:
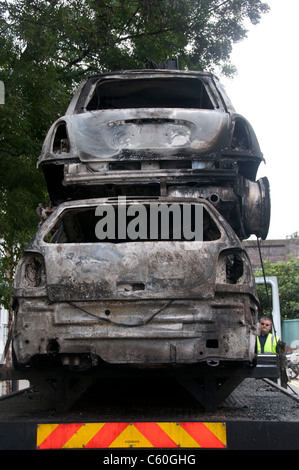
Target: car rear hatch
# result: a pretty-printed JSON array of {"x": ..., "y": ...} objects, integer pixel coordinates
[{"x": 144, "y": 264}]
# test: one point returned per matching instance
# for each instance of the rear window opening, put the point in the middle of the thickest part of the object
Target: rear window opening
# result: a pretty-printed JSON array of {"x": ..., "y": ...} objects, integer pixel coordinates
[
  {"x": 82, "y": 225},
  {"x": 150, "y": 93}
]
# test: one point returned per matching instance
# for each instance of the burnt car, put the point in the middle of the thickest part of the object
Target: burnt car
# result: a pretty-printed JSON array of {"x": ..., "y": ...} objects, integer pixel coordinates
[
  {"x": 163, "y": 133},
  {"x": 151, "y": 301}
]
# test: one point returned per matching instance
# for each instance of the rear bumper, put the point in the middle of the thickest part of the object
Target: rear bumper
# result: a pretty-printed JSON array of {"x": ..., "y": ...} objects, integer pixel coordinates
[{"x": 141, "y": 332}]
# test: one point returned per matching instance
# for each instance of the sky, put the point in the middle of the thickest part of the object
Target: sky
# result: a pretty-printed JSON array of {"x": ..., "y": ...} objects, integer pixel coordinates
[{"x": 266, "y": 92}]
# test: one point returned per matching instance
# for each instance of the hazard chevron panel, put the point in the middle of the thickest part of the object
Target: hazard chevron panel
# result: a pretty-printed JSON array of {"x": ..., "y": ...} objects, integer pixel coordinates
[{"x": 165, "y": 435}]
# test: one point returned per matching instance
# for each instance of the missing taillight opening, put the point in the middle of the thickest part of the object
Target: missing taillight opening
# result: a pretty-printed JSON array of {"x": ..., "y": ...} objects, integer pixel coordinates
[
  {"x": 34, "y": 271},
  {"x": 61, "y": 141},
  {"x": 234, "y": 268},
  {"x": 231, "y": 268}
]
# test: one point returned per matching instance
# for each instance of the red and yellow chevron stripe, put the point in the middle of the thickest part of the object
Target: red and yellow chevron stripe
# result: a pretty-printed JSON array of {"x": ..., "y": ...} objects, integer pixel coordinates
[{"x": 139, "y": 435}]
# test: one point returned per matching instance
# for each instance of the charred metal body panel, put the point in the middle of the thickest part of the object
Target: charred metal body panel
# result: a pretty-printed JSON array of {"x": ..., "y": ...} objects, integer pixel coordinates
[
  {"x": 145, "y": 133},
  {"x": 141, "y": 303}
]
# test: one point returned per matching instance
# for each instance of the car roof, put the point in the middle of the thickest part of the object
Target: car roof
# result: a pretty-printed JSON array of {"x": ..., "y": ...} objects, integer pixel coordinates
[{"x": 154, "y": 72}]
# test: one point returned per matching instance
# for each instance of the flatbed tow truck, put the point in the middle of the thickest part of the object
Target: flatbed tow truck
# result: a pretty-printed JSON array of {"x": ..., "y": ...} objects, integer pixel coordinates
[
  {"x": 143, "y": 413},
  {"x": 138, "y": 412},
  {"x": 183, "y": 152}
]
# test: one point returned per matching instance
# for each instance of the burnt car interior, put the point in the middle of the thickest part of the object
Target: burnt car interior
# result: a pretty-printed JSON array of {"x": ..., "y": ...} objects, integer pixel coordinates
[
  {"x": 78, "y": 226},
  {"x": 149, "y": 93}
]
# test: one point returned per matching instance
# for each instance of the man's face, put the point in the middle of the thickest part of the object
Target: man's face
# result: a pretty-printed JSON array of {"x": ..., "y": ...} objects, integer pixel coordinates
[{"x": 265, "y": 326}]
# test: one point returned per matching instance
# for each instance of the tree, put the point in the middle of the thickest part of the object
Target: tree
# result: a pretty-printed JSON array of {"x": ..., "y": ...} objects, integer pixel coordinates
[
  {"x": 287, "y": 274},
  {"x": 293, "y": 235},
  {"x": 47, "y": 46}
]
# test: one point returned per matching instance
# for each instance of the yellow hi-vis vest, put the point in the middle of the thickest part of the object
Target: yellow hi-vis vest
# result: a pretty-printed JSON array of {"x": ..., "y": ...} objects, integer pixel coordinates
[{"x": 270, "y": 344}]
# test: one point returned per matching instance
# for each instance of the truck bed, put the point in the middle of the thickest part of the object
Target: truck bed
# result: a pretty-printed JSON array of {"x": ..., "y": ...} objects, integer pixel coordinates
[{"x": 259, "y": 414}]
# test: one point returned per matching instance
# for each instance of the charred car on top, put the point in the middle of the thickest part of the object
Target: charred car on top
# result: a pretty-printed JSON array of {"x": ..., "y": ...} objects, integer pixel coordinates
[{"x": 158, "y": 133}]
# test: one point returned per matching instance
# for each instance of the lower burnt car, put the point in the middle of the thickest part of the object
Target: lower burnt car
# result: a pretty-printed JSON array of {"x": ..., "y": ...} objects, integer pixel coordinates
[{"x": 86, "y": 303}]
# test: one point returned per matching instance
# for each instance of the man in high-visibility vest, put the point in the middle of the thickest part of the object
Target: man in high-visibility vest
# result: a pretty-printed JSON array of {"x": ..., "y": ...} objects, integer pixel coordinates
[{"x": 266, "y": 341}]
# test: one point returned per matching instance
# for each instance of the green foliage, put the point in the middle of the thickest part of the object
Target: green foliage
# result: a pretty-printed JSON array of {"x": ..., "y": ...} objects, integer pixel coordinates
[
  {"x": 287, "y": 274},
  {"x": 47, "y": 46}
]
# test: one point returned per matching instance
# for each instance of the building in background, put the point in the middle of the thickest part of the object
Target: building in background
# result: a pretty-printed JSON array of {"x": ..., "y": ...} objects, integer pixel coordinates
[{"x": 271, "y": 250}]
